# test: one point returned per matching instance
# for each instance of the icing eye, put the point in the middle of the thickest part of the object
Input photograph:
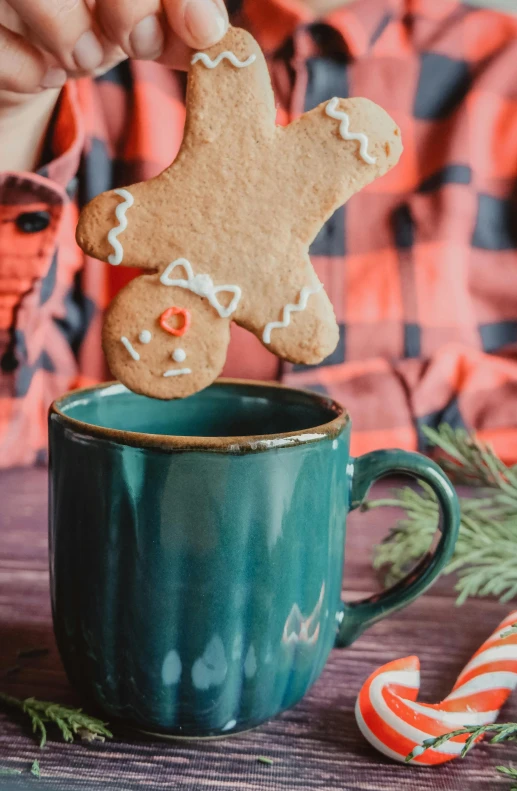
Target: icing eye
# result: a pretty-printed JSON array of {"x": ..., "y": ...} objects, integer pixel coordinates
[
  {"x": 179, "y": 356},
  {"x": 175, "y": 321},
  {"x": 145, "y": 336}
]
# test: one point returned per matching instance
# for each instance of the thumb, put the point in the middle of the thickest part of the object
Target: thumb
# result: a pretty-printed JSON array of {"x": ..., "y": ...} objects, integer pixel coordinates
[{"x": 200, "y": 23}]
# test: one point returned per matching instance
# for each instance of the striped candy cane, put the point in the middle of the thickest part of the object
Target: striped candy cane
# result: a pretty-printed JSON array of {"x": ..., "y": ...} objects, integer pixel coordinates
[{"x": 395, "y": 724}]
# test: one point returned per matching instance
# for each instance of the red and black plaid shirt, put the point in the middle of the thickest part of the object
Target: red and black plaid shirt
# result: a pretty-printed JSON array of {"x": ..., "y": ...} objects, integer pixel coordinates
[{"x": 421, "y": 266}]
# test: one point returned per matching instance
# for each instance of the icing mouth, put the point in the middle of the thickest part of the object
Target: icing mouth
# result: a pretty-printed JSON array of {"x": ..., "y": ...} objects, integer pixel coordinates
[{"x": 177, "y": 372}]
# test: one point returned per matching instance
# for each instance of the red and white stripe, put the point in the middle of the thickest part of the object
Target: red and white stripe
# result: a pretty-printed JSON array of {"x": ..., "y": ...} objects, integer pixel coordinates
[{"x": 395, "y": 724}]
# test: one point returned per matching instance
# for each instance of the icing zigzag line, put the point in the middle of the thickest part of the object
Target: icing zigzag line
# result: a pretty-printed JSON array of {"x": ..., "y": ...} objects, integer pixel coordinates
[
  {"x": 117, "y": 258},
  {"x": 211, "y": 64},
  {"x": 344, "y": 127},
  {"x": 303, "y": 299}
]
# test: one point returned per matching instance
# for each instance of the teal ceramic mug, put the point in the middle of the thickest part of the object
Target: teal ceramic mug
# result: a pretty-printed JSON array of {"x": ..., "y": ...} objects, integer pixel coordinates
[{"x": 196, "y": 550}]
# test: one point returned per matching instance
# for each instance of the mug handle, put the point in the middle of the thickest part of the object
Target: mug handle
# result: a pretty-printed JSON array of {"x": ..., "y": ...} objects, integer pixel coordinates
[{"x": 355, "y": 617}]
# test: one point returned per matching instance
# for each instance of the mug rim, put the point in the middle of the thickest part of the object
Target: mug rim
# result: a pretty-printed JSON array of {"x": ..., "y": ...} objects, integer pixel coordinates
[{"x": 231, "y": 444}]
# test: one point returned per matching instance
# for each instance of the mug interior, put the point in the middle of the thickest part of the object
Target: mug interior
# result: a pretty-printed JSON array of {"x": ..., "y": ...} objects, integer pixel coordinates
[{"x": 225, "y": 409}]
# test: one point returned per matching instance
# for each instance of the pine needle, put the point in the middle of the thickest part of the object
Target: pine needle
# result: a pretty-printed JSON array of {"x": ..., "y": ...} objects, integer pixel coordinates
[
  {"x": 506, "y": 731},
  {"x": 35, "y": 770},
  {"x": 485, "y": 557},
  {"x": 469, "y": 461},
  {"x": 71, "y": 722},
  {"x": 509, "y": 771},
  {"x": 6, "y": 772}
]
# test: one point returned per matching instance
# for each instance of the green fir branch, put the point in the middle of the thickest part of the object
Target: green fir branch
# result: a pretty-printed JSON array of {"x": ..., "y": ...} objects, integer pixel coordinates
[
  {"x": 509, "y": 771},
  {"x": 485, "y": 557},
  {"x": 469, "y": 461},
  {"x": 501, "y": 732},
  {"x": 6, "y": 772},
  {"x": 506, "y": 731},
  {"x": 69, "y": 721}
]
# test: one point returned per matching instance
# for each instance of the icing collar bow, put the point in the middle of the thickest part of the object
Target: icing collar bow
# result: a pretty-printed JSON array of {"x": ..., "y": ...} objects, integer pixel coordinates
[{"x": 203, "y": 286}]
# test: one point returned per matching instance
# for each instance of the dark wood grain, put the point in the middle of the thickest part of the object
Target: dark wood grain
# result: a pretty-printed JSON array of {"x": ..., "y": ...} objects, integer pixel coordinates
[{"x": 317, "y": 745}]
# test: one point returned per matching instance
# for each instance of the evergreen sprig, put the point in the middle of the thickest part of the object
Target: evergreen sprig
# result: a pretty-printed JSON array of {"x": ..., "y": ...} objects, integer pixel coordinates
[
  {"x": 485, "y": 557},
  {"x": 69, "y": 721},
  {"x": 509, "y": 771},
  {"x": 469, "y": 461},
  {"x": 506, "y": 731},
  {"x": 501, "y": 732}
]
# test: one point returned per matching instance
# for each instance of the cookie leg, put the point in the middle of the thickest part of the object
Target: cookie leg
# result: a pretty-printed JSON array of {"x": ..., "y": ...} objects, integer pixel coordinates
[
  {"x": 332, "y": 152},
  {"x": 301, "y": 329}
]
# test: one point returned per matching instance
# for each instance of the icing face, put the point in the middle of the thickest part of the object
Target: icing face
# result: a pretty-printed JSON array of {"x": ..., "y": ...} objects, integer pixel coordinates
[
  {"x": 152, "y": 360},
  {"x": 179, "y": 356},
  {"x": 181, "y": 318},
  {"x": 177, "y": 372},
  {"x": 129, "y": 346}
]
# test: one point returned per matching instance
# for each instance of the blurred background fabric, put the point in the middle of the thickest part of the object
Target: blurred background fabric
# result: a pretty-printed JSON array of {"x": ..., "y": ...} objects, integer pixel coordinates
[{"x": 421, "y": 266}]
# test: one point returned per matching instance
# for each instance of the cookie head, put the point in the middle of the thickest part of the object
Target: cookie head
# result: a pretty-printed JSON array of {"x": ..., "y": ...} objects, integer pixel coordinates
[{"x": 164, "y": 342}]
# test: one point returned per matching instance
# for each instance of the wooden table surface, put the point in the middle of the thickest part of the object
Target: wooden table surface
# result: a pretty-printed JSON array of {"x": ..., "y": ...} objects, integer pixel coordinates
[{"x": 316, "y": 745}]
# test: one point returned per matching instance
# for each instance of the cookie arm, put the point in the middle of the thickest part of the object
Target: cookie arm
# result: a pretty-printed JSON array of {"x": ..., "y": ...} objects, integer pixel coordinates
[
  {"x": 119, "y": 227},
  {"x": 333, "y": 152}
]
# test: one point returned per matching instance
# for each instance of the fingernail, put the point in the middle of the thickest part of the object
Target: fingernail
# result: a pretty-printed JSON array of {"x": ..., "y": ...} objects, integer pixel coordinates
[
  {"x": 147, "y": 38},
  {"x": 205, "y": 22},
  {"x": 54, "y": 78},
  {"x": 88, "y": 52}
]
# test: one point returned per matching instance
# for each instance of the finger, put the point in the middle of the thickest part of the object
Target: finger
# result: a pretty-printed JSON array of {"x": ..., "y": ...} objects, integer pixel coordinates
[
  {"x": 64, "y": 27},
  {"x": 199, "y": 23},
  {"x": 176, "y": 54},
  {"x": 23, "y": 68},
  {"x": 136, "y": 27},
  {"x": 10, "y": 19}
]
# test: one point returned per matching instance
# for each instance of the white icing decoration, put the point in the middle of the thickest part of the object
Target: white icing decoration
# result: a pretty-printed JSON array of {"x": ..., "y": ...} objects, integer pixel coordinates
[
  {"x": 303, "y": 299},
  {"x": 145, "y": 336},
  {"x": 212, "y": 64},
  {"x": 179, "y": 355},
  {"x": 203, "y": 286},
  {"x": 344, "y": 126},
  {"x": 125, "y": 342},
  {"x": 177, "y": 372},
  {"x": 117, "y": 258}
]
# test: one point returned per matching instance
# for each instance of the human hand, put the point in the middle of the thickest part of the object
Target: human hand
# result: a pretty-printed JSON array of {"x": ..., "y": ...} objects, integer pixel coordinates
[{"x": 43, "y": 42}]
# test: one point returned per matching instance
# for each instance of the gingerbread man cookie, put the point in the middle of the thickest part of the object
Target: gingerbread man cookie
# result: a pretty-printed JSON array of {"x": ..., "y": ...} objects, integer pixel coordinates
[{"x": 224, "y": 232}]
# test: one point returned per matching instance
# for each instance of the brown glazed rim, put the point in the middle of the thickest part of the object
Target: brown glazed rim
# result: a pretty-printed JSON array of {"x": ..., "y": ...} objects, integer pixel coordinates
[{"x": 238, "y": 444}]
